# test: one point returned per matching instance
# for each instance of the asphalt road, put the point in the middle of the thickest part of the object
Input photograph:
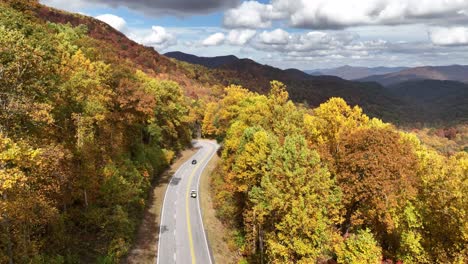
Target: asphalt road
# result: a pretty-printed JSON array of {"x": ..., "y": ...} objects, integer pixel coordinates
[{"x": 182, "y": 237}]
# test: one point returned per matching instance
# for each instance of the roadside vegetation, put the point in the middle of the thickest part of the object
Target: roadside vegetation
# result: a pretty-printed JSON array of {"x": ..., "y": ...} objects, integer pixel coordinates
[
  {"x": 82, "y": 137},
  {"x": 330, "y": 183}
]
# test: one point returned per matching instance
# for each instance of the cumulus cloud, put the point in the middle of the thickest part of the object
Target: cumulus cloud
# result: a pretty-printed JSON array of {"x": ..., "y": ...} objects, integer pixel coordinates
[
  {"x": 452, "y": 36},
  {"x": 114, "y": 21},
  {"x": 251, "y": 14},
  {"x": 214, "y": 40},
  {"x": 318, "y": 44},
  {"x": 157, "y": 37},
  {"x": 275, "y": 37},
  {"x": 240, "y": 37},
  {"x": 332, "y": 14},
  {"x": 180, "y": 7}
]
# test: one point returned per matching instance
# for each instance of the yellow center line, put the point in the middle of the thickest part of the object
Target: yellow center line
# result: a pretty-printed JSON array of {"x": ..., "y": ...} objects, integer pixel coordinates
[{"x": 192, "y": 250}]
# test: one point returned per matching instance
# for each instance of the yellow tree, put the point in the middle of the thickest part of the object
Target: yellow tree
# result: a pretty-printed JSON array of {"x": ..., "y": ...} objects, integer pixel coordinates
[
  {"x": 229, "y": 108},
  {"x": 328, "y": 123},
  {"x": 25, "y": 209},
  {"x": 208, "y": 125},
  {"x": 296, "y": 206},
  {"x": 443, "y": 206},
  {"x": 25, "y": 81}
]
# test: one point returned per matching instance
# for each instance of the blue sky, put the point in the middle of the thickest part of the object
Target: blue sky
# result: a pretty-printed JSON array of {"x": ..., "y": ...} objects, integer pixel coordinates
[{"x": 294, "y": 33}]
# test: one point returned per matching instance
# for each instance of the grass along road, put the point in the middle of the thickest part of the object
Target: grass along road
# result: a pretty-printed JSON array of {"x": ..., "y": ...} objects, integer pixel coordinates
[{"x": 219, "y": 236}]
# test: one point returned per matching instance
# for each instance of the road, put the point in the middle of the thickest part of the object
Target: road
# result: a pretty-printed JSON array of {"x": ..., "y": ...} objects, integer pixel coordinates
[{"x": 182, "y": 237}]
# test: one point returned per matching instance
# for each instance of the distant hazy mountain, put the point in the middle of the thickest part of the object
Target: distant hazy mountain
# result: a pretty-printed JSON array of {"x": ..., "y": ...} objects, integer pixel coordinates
[
  {"x": 351, "y": 73},
  {"x": 210, "y": 62},
  {"x": 451, "y": 73}
]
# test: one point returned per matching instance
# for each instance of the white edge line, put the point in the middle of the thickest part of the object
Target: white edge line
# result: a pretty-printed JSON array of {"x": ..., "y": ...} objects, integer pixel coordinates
[
  {"x": 162, "y": 209},
  {"x": 198, "y": 200}
]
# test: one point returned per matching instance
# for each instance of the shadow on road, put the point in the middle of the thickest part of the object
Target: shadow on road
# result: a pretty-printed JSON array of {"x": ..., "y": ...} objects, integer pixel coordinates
[{"x": 175, "y": 181}]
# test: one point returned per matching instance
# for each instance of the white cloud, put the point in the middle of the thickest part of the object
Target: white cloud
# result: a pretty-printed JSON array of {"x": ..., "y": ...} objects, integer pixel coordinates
[
  {"x": 114, "y": 21},
  {"x": 157, "y": 37},
  {"x": 275, "y": 37},
  {"x": 449, "y": 36},
  {"x": 318, "y": 44},
  {"x": 240, "y": 37},
  {"x": 251, "y": 14},
  {"x": 214, "y": 40},
  {"x": 339, "y": 14}
]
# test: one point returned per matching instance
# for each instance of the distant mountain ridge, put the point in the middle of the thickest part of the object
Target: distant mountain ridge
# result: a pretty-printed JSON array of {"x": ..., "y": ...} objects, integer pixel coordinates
[
  {"x": 445, "y": 100},
  {"x": 442, "y": 73},
  {"x": 209, "y": 62},
  {"x": 352, "y": 73},
  {"x": 414, "y": 100}
]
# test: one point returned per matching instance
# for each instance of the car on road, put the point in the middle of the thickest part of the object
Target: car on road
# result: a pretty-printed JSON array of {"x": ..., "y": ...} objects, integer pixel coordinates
[
  {"x": 193, "y": 194},
  {"x": 194, "y": 162}
]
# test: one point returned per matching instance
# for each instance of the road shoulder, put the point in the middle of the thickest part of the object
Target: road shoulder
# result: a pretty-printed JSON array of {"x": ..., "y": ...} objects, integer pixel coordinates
[{"x": 216, "y": 232}]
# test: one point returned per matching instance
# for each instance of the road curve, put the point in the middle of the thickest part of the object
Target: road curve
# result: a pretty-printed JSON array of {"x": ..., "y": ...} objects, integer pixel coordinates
[{"x": 182, "y": 237}]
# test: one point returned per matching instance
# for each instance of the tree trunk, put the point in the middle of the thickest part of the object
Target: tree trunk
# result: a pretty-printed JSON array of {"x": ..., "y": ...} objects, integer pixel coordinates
[
  {"x": 85, "y": 198},
  {"x": 6, "y": 224},
  {"x": 260, "y": 240}
]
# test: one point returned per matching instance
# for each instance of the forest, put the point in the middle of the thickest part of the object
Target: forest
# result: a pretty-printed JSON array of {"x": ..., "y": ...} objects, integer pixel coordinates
[
  {"x": 300, "y": 185},
  {"x": 82, "y": 137},
  {"x": 86, "y": 128}
]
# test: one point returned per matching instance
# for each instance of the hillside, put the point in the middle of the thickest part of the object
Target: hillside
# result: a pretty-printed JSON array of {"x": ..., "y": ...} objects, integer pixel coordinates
[
  {"x": 449, "y": 73},
  {"x": 209, "y": 62},
  {"x": 120, "y": 45},
  {"x": 115, "y": 47},
  {"x": 438, "y": 100},
  {"x": 352, "y": 73}
]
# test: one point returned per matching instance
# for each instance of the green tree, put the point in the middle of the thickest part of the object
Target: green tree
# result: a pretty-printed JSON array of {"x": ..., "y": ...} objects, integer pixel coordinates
[{"x": 359, "y": 248}]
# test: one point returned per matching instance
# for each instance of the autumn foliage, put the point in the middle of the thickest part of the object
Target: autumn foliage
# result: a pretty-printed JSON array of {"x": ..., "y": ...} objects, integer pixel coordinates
[
  {"x": 332, "y": 184},
  {"x": 82, "y": 139},
  {"x": 86, "y": 128}
]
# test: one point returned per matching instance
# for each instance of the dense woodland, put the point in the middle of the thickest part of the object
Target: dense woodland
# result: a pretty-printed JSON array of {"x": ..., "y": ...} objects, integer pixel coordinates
[
  {"x": 89, "y": 119},
  {"x": 82, "y": 137},
  {"x": 307, "y": 186}
]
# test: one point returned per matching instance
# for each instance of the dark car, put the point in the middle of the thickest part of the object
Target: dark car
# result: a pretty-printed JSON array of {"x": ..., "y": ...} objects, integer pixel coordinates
[{"x": 194, "y": 162}]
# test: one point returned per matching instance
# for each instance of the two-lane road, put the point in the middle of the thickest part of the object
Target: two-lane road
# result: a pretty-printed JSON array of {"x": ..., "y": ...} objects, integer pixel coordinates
[{"x": 182, "y": 237}]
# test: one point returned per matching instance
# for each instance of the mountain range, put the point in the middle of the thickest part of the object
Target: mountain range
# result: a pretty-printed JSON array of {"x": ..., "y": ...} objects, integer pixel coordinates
[
  {"x": 442, "y": 73},
  {"x": 420, "y": 97},
  {"x": 352, "y": 73}
]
